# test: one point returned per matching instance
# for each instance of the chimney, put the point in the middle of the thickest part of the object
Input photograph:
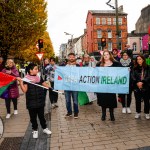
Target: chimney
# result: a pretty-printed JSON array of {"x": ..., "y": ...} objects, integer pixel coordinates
[{"x": 120, "y": 9}]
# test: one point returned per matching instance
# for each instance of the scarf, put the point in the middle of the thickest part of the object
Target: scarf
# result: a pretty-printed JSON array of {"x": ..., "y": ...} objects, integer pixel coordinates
[
  {"x": 125, "y": 63},
  {"x": 33, "y": 78}
]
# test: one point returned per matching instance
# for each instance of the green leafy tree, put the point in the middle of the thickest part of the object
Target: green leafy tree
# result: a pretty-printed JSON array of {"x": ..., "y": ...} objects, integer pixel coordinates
[
  {"x": 21, "y": 23},
  {"x": 29, "y": 54}
]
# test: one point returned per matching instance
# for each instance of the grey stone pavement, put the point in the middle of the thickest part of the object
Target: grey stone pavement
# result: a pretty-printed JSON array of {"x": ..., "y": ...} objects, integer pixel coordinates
[{"x": 87, "y": 132}]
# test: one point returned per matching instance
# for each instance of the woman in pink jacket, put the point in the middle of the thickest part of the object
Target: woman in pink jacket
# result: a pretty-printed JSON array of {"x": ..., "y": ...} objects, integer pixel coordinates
[{"x": 13, "y": 91}]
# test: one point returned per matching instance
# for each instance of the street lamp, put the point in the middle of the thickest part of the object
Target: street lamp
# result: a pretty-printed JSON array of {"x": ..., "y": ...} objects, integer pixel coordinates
[
  {"x": 72, "y": 43},
  {"x": 117, "y": 26}
]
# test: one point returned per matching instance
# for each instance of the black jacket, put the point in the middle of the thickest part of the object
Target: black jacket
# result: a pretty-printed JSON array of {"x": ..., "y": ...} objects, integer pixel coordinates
[
  {"x": 115, "y": 64},
  {"x": 107, "y": 100},
  {"x": 136, "y": 74},
  {"x": 35, "y": 96}
]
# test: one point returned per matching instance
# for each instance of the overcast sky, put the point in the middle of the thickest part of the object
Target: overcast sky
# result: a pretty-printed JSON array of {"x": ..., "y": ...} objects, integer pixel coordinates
[{"x": 70, "y": 16}]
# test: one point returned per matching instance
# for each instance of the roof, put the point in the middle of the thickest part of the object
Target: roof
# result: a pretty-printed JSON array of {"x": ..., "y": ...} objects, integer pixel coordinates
[{"x": 106, "y": 12}]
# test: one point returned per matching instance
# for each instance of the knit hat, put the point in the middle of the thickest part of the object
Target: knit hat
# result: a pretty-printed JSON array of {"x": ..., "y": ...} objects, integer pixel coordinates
[{"x": 115, "y": 49}]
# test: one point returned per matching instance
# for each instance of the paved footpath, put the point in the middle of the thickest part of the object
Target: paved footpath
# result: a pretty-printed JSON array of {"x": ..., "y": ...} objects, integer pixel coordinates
[{"x": 87, "y": 132}]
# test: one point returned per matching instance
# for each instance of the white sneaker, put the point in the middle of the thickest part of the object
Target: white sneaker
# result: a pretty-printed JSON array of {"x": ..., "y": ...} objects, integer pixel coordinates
[
  {"x": 15, "y": 112},
  {"x": 8, "y": 116},
  {"x": 137, "y": 115},
  {"x": 128, "y": 110},
  {"x": 47, "y": 131},
  {"x": 35, "y": 134},
  {"x": 53, "y": 106},
  {"x": 124, "y": 110},
  {"x": 56, "y": 105},
  {"x": 147, "y": 116}
]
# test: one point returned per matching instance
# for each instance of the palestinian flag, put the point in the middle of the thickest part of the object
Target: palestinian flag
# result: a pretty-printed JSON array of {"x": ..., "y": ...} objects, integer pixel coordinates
[
  {"x": 5, "y": 81},
  {"x": 86, "y": 97}
]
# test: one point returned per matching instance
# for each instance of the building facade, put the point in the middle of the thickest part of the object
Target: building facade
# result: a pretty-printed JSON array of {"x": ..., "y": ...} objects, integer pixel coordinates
[
  {"x": 84, "y": 42},
  {"x": 102, "y": 24},
  {"x": 143, "y": 22},
  {"x": 78, "y": 47},
  {"x": 62, "y": 51}
]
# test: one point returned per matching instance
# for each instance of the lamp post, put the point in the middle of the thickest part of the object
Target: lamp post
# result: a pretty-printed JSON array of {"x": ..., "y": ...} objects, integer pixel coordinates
[
  {"x": 117, "y": 26},
  {"x": 72, "y": 43}
]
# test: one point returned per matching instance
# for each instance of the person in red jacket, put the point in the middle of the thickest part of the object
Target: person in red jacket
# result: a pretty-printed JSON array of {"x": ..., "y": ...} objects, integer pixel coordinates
[{"x": 13, "y": 91}]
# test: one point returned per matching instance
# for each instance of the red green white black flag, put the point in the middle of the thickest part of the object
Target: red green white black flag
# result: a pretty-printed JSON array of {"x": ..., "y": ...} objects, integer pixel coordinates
[{"x": 5, "y": 81}]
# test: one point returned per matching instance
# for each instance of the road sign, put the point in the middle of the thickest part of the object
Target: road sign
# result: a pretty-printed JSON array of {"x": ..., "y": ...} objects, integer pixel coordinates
[{"x": 39, "y": 55}]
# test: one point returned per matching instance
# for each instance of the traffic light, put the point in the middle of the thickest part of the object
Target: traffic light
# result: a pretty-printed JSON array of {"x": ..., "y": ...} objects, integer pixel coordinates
[
  {"x": 40, "y": 43},
  {"x": 103, "y": 42}
]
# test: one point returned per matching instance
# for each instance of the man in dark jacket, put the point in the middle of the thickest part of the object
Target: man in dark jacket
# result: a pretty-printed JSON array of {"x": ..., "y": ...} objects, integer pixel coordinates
[{"x": 129, "y": 50}]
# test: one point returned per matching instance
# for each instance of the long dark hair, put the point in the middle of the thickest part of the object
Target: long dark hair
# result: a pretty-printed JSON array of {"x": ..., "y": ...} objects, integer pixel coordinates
[{"x": 144, "y": 65}]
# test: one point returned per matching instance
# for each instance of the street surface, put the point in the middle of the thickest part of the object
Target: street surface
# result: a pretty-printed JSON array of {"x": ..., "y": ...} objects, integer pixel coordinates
[{"x": 87, "y": 132}]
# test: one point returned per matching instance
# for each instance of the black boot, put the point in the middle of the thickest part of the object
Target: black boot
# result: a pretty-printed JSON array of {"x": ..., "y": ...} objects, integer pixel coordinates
[
  {"x": 111, "y": 110},
  {"x": 103, "y": 114}
]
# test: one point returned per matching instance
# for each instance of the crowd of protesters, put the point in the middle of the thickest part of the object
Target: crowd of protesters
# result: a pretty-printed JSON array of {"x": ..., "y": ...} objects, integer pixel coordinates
[{"x": 139, "y": 84}]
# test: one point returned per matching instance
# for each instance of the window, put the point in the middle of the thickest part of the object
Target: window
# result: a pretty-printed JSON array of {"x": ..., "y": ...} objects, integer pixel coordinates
[
  {"x": 109, "y": 34},
  {"x": 99, "y": 45},
  {"x": 119, "y": 33},
  {"x": 97, "y": 20},
  {"x": 99, "y": 33},
  {"x": 134, "y": 46},
  {"x": 109, "y": 21},
  {"x": 103, "y": 21},
  {"x": 114, "y": 21},
  {"x": 120, "y": 46},
  {"x": 120, "y": 21},
  {"x": 110, "y": 46}
]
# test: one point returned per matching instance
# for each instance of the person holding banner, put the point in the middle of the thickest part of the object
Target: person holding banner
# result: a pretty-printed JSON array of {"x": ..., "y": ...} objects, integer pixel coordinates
[
  {"x": 50, "y": 77},
  {"x": 86, "y": 60},
  {"x": 35, "y": 98},
  {"x": 73, "y": 94},
  {"x": 107, "y": 100},
  {"x": 13, "y": 91},
  {"x": 126, "y": 98},
  {"x": 141, "y": 79}
]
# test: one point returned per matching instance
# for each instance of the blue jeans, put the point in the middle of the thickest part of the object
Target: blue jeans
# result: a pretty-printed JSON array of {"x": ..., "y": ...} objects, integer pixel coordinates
[{"x": 74, "y": 95}]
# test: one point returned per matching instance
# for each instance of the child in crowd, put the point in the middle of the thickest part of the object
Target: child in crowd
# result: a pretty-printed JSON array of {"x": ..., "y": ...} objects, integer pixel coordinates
[{"x": 35, "y": 99}]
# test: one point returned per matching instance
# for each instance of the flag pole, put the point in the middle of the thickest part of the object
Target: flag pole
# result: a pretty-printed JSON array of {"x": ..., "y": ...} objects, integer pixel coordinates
[{"x": 28, "y": 81}]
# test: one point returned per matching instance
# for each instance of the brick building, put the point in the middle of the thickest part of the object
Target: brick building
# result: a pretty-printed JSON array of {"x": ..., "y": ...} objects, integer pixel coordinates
[{"x": 102, "y": 24}]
